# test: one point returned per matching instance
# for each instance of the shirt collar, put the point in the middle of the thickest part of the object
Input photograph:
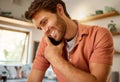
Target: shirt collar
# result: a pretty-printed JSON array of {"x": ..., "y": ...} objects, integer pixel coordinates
[{"x": 82, "y": 30}]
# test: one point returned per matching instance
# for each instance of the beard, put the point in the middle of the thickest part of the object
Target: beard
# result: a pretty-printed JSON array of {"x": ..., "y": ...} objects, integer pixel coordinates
[{"x": 61, "y": 24}]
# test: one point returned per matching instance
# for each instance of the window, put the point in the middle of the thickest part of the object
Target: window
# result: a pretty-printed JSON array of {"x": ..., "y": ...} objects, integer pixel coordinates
[{"x": 13, "y": 46}]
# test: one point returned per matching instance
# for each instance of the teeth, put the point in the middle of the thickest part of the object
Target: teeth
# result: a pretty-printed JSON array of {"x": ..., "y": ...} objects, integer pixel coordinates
[{"x": 53, "y": 32}]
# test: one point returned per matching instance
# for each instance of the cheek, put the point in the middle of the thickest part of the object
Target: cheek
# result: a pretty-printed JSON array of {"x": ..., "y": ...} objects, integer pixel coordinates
[
  {"x": 52, "y": 21},
  {"x": 50, "y": 24},
  {"x": 61, "y": 32}
]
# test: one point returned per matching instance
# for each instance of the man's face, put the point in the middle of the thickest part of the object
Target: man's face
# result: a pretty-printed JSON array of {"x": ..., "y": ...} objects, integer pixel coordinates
[{"x": 52, "y": 24}]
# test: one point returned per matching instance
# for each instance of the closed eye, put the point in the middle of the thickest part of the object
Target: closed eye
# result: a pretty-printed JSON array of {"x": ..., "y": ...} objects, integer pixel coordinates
[{"x": 43, "y": 22}]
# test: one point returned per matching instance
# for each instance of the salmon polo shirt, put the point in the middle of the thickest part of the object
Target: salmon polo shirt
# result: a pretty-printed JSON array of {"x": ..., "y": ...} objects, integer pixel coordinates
[{"x": 93, "y": 44}]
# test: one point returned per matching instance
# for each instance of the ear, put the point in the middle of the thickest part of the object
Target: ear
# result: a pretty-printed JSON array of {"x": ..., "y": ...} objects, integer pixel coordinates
[{"x": 60, "y": 9}]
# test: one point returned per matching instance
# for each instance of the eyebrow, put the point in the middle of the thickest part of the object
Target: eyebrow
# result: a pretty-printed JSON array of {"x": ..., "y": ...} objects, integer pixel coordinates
[{"x": 42, "y": 20}]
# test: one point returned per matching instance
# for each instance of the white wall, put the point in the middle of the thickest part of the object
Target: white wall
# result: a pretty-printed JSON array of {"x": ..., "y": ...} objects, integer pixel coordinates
[
  {"x": 16, "y": 9},
  {"x": 36, "y": 36},
  {"x": 76, "y": 8},
  {"x": 80, "y": 7}
]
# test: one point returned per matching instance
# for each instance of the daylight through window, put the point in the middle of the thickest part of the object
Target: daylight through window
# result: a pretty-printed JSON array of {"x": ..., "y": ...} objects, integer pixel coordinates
[{"x": 13, "y": 47}]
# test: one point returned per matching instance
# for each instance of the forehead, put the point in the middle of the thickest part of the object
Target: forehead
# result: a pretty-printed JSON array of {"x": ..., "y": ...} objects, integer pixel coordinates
[{"x": 39, "y": 15}]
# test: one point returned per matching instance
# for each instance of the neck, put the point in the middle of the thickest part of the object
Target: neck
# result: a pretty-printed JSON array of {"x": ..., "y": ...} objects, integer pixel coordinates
[{"x": 71, "y": 30}]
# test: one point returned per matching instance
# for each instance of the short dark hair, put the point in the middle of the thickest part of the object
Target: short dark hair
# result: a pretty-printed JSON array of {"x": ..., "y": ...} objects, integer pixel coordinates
[{"x": 49, "y": 5}]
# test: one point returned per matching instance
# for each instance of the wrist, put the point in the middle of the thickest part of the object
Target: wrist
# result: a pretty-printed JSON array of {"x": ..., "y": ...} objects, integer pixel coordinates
[{"x": 56, "y": 60}]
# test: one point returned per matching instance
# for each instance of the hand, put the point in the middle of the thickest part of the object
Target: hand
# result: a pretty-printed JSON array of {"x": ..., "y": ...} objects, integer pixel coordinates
[{"x": 53, "y": 52}]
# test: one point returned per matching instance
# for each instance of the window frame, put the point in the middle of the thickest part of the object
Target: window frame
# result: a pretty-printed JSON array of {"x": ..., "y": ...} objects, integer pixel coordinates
[{"x": 23, "y": 30}]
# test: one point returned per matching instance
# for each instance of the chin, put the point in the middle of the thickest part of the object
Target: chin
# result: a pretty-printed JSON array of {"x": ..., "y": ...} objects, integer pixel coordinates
[{"x": 59, "y": 39}]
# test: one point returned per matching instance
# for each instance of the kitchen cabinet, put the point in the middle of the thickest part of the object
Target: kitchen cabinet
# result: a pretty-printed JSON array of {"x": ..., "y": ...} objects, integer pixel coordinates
[{"x": 100, "y": 16}]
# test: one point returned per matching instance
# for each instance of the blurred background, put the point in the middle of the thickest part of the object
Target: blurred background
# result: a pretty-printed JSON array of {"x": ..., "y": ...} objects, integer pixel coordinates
[{"x": 19, "y": 39}]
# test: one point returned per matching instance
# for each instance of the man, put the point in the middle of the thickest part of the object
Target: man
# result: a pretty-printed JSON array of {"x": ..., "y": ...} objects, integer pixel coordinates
[{"x": 83, "y": 53}]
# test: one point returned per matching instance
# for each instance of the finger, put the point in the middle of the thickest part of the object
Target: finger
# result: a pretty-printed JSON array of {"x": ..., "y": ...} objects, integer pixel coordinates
[
  {"x": 48, "y": 41},
  {"x": 61, "y": 44}
]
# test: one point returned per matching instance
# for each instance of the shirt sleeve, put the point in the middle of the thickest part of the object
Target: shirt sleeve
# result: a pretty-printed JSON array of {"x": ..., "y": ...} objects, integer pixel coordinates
[
  {"x": 103, "y": 47},
  {"x": 40, "y": 62}
]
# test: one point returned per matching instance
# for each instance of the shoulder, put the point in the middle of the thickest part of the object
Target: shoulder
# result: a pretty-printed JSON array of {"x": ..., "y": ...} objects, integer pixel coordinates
[
  {"x": 98, "y": 34},
  {"x": 93, "y": 30}
]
